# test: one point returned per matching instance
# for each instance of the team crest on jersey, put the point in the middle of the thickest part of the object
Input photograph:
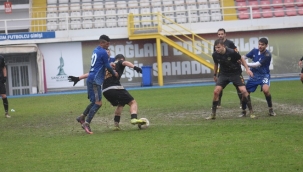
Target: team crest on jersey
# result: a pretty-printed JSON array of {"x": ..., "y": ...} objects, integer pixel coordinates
[
  {"x": 266, "y": 54},
  {"x": 228, "y": 58},
  {"x": 107, "y": 74}
]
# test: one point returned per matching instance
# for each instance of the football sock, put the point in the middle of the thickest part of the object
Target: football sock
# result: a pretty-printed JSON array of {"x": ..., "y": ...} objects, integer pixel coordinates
[
  {"x": 220, "y": 97},
  {"x": 92, "y": 113},
  {"x": 5, "y": 104},
  {"x": 239, "y": 94},
  {"x": 214, "y": 108},
  {"x": 132, "y": 116},
  {"x": 246, "y": 101},
  {"x": 268, "y": 99},
  {"x": 117, "y": 119},
  {"x": 87, "y": 109}
]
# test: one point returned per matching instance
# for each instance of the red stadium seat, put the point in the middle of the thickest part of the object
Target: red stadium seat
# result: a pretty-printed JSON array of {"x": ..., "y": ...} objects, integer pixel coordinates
[
  {"x": 241, "y": 6},
  {"x": 256, "y": 14},
  {"x": 240, "y": 0},
  {"x": 299, "y": 3},
  {"x": 267, "y": 13},
  {"x": 279, "y": 12},
  {"x": 265, "y": 4},
  {"x": 300, "y": 10},
  {"x": 254, "y": 4},
  {"x": 277, "y": 3},
  {"x": 243, "y": 14},
  {"x": 289, "y": 3},
  {"x": 291, "y": 11}
]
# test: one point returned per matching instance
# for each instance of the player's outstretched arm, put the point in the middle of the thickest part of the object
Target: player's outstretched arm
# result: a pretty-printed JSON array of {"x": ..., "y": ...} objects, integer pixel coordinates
[
  {"x": 129, "y": 64},
  {"x": 76, "y": 79}
]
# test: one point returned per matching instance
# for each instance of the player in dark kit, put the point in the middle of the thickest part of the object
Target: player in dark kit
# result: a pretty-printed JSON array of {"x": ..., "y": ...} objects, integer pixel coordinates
[
  {"x": 230, "y": 71},
  {"x": 228, "y": 44},
  {"x": 3, "y": 75},
  {"x": 115, "y": 93}
]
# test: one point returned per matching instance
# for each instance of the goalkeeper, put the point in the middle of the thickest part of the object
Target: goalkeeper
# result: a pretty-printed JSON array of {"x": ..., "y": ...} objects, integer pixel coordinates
[{"x": 115, "y": 93}]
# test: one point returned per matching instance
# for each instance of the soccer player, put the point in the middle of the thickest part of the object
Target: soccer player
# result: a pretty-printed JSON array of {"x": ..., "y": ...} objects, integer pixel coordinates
[
  {"x": 261, "y": 74},
  {"x": 3, "y": 76},
  {"x": 230, "y": 71},
  {"x": 300, "y": 64},
  {"x": 115, "y": 93},
  {"x": 228, "y": 44},
  {"x": 94, "y": 81}
]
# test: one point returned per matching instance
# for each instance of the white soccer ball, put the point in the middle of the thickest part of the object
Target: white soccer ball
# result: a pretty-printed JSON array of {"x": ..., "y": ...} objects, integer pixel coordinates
[{"x": 143, "y": 126}]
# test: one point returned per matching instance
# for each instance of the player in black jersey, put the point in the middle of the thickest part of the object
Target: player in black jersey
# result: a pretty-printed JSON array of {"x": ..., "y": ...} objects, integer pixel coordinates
[
  {"x": 115, "y": 93},
  {"x": 230, "y": 71},
  {"x": 3, "y": 75},
  {"x": 300, "y": 64},
  {"x": 228, "y": 44}
]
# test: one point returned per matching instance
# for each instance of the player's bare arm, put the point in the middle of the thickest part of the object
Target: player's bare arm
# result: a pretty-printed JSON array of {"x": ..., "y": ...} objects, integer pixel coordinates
[{"x": 129, "y": 64}]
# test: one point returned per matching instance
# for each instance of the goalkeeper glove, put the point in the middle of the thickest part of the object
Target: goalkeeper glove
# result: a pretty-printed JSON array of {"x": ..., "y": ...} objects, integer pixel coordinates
[
  {"x": 73, "y": 79},
  {"x": 139, "y": 70}
]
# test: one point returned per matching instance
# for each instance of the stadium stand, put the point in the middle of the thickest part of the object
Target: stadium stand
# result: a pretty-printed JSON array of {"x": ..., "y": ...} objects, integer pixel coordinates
[{"x": 89, "y": 14}]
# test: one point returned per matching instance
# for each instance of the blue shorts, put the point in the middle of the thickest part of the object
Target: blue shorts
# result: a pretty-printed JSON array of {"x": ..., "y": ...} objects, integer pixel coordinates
[
  {"x": 252, "y": 84},
  {"x": 94, "y": 92}
]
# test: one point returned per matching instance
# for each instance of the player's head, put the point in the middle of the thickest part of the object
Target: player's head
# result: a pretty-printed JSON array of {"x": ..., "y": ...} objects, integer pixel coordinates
[
  {"x": 104, "y": 41},
  {"x": 219, "y": 46},
  {"x": 2, "y": 61},
  {"x": 221, "y": 34},
  {"x": 262, "y": 44},
  {"x": 119, "y": 57}
]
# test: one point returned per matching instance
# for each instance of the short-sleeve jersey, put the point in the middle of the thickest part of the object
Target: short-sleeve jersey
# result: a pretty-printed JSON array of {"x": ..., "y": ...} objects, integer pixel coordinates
[
  {"x": 228, "y": 44},
  {"x": 2, "y": 65},
  {"x": 110, "y": 80},
  {"x": 99, "y": 62},
  {"x": 264, "y": 59},
  {"x": 228, "y": 62}
]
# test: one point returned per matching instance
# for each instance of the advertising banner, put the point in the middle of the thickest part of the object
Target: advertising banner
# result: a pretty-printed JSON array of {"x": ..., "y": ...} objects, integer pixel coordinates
[
  {"x": 62, "y": 60},
  {"x": 284, "y": 44},
  {"x": 27, "y": 35}
]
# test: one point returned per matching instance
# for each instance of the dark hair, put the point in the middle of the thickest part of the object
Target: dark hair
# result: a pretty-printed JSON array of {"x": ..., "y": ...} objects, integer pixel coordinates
[
  {"x": 104, "y": 38},
  {"x": 221, "y": 29},
  {"x": 119, "y": 57},
  {"x": 264, "y": 41},
  {"x": 219, "y": 41}
]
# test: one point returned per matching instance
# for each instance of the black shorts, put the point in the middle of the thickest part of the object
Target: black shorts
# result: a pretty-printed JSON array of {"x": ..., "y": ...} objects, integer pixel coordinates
[
  {"x": 2, "y": 88},
  {"x": 237, "y": 80},
  {"x": 302, "y": 70},
  {"x": 118, "y": 96}
]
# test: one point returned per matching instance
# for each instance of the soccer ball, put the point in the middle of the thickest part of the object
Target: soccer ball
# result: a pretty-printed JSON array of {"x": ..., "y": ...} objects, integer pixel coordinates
[{"x": 144, "y": 125}]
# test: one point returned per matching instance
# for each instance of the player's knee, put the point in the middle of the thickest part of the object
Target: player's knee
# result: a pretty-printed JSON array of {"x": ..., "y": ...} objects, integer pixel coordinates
[
  {"x": 133, "y": 102},
  {"x": 98, "y": 103}
]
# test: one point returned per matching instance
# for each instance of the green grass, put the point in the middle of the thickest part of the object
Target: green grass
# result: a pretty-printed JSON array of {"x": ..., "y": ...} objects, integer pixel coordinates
[{"x": 43, "y": 135}]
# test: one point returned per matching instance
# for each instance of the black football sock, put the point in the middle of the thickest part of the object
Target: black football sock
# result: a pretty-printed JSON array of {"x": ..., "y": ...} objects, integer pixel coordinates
[
  {"x": 132, "y": 116},
  {"x": 5, "y": 104},
  {"x": 214, "y": 108},
  {"x": 268, "y": 99},
  {"x": 117, "y": 119}
]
